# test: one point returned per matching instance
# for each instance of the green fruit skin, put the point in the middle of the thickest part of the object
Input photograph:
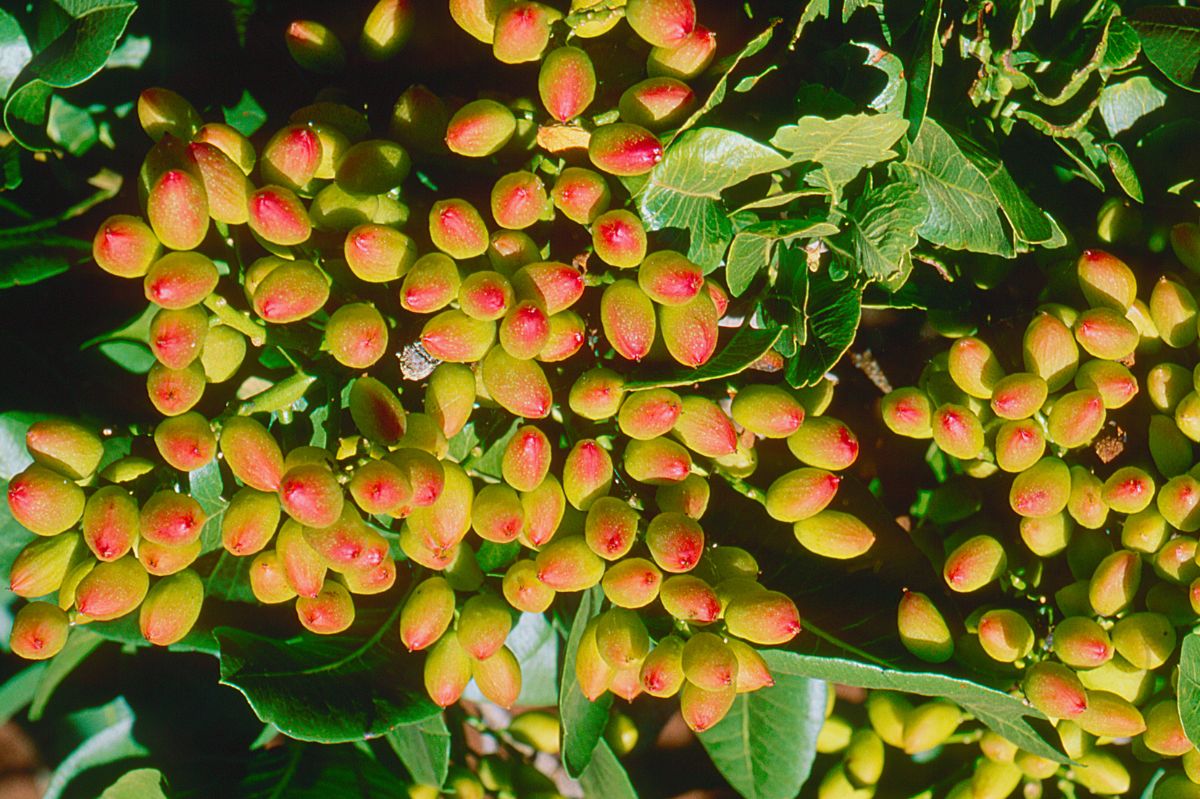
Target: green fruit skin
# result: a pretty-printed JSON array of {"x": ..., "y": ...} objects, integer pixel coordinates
[
  {"x": 483, "y": 625},
  {"x": 498, "y": 677},
  {"x": 186, "y": 442},
  {"x": 311, "y": 495},
  {"x": 657, "y": 103},
  {"x": 1114, "y": 582},
  {"x": 315, "y": 47},
  {"x": 39, "y": 631},
  {"x": 834, "y": 534},
  {"x": 621, "y": 638},
  {"x": 923, "y": 629},
  {"x": 42, "y": 564},
  {"x": 1018, "y": 396},
  {"x": 1005, "y": 635},
  {"x": 524, "y": 330},
  {"x": 656, "y": 461},
  {"x": 1106, "y": 281},
  {"x": 1170, "y": 449},
  {"x": 610, "y": 527},
  {"x": 566, "y": 83},
  {"x": 974, "y": 564},
  {"x": 1173, "y": 311},
  {"x": 291, "y": 157},
  {"x": 252, "y": 453},
  {"x": 675, "y": 541},
  {"x": 581, "y": 194},
  {"x": 768, "y": 411},
  {"x": 66, "y": 447},
  {"x": 544, "y": 508},
  {"x": 457, "y": 338},
  {"x": 709, "y": 663},
  {"x": 112, "y": 589},
  {"x": 526, "y": 458},
  {"x": 356, "y": 335},
  {"x": 1081, "y": 643},
  {"x": 632, "y": 583},
  {"x": 628, "y": 319},
  {"x": 907, "y": 412},
  {"x": 162, "y": 111},
  {"x": 690, "y": 330},
  {"x": 1105, "y": 333},
  {"x": 687, "y": 60},
  {"x": 450, "y": 397},
  {"x": 291, "y": 292},
  {"x": 522, "y": 32},
  {"x": 567, "y": 564},
  {"x": 957, "y": 431},
  {"x": 480, "y": 128},
  {"x": 177, "y": 208},
  {"x": 1019, "y": 445},
  {"x": 44, "y": 502},
  {"x": 180, "y": 280},
  {"x": 518, "y": 386},
  {"x": 689, "y": 496},
  {"x": 277, "y": 216},
  {"x": 524, "y": 591},
  {"x": 538, "y": 729},
  {"x": 930, "y": 724},
  {"x": 171, "y": 608},
  {"x": 447, "y": 671},
  {"x": 378, "y": 253},
  {"x": 597, "y": 394},
  {"x": 662, "y": 23},
  {"x": 427, "y": 614},
  {"x": 175, "y": 391},
  {"x": 768, "y": 618},
  {"x": 376, "y": 411},
  {"x": 1043, "y": 489},
  {"x": 702, "y": 709},
  {"x": 1146, "y": 640},
  {"x": 250, "y": 521},
  {"x": 125, "y": 246},
  {"x": 375, "y": 166},
  {"x": 110, "y": 522},
  {"x": 690, "y": 599},
  {"x": 619, "y": 239},
  {"x": 624, "y": 150},
  {"x": 974, "y": 367},
  {"x": 704, "y": 428},
  {"x": 1050, "y": 351},
  {"x": 1109, "y": 715},
  {"x": 1116, "y": 385},
  {"x": 177, "y": 336}
]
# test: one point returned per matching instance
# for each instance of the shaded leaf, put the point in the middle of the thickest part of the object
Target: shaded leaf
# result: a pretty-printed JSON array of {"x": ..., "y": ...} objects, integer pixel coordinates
[
  {"x": 1189, "y": 686},
  {"x": 14, "y": 51},
  {"x": 843, "y": 146},
  {"x": 81, "y": 643},
  {"x": 142, "y": 783},
  {"x": 1122, "y": 169},
  {"x": 882, "y": 231},
  {"x": 892, "y": 96},
  {"x": 328, "y": 689},
  {"x": 605, "y": 776},
  {"x": 31, "y": 267},
  {"x": 831, "y": 317},
  {"x": 424, "y": 749},
  {"x": 1171, "y": 40},
  {"x": 753, "y": 248},
  {"x": 684, "y": 190},
  {"x": 246, "y": 116},
  {"x": 17, "y": 692},
  {"x": 114, "y": 741},
  {"x": 582, "y": 721},
  {"x": 1123, "y": 104},
  {"x": 744, "y": 745}
]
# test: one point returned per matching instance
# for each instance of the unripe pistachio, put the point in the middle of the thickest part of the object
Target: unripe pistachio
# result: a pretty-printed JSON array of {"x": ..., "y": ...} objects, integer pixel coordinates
[
  {"x": 1043, "y": 489},
  {"x": 974, "y": 367},
  {"x": 1167, "y": 384},
  {"x": 348, "y": 544},
  {"x": 662, "y": 23},
  {"x": 1179, "y": 502},
  {"x": 1187, "y": 416},
  {"x": 610, "y": 527},
  {"x": 597, "y": 394},
  {"x": 592, "y": 671},
  {"x": 1018, "y": 396},
  {"x": 161, "y": 560},
  {"x": 523, "y": 590},
  {"x": 180, "y": 280},
  {"x": 957, "y": 431},
  {"x": 656, "y": 461},
  {"x": 125, "y": 246},
  {"x": 42, "y": 564},
  {"x": 430, "y": 284},
  {"x": 448, "y": 519},
  {"x": 624, "y": 150},
  {"x": 1019, "y": 445},
  {"x": 835, "y": 784},
  {"x": 1076, "y": 418},
  {"x": 519, "y": 386},
  {"x": 566, "y": 82},
  {"x": 249, "y": 521},
  {"x": 544, "y": 507},
  {"x": 834, "y": 534},
  {"x": 450, "y": 397},
  {"x": 582, "y": 195},
  {"x": 375, "y": 166},
  {"x": 1185, "y": 242},
  {"x": 1115, "y": 383},
  {"x": 175, "y": 391},
  {"x": 1111, "y": 716},
  {"x": 1105, "y": 333},
  {"x": 565, "y": 338},
  {"x": 887, "y": 712},
  {"x": 231, "y": 142},
  {"x": 705, "y": 429},
  {"x": 688, "y": 496},
  {"x": 619, "y": 239},
  {"x": 627, "y": 316},
  {"x": 483, "y": 625},
  {"x": 709, "y": 663},
  {"x": 1085, "y": 503},
  {"x": 171, "y": 608},
  {"x": 177, "y": 209},
  {"x": 376, "y": 411},
  {"x": 171, "y": 519},
  {"x": 427, "y": 613},
  {"x": 687, "y": 59},
  {"x": 997, "y": 748},
  {"x": 39, "y": 631},
  {"x": 1173, "y": 310},
  {"x": 676, "y": 542},
  {"x": 522, "y": 32},
  {"x": 303, "y": 567},
  {"x": 992, "y": 780},
  {"x": 277, "y": 216},
  {"x": 387, "y": 29},
  {"x": 538, "y": 729},
  {"x": 930, "y": 724},
  {"x": 315, "y": 47},
  {"x": 923, "y": 630},
  {"x": 768, "y": 411},
  {"x": 310, "y": 494},
  {"x": 356, "y": 335},
  {"x": 498, "y": 677},
  {"x": 497, "y": 514},
  {"x": 1128, "y": 490},
  {"x": 1086, "y": 551},
  {"x": 690, "y": 599},
  {"x": 657, "y": 103},
  {"x": 223, "y": 353},
  {"x": 480, "y": 128},
  {"x": 632, "y": 583},
  {"x": 161, "y": 111},
  {"x": 464, "y": 573},
  {"x": 762, "y": 617},
  {"x": 1146, "y": 640},
  {"x": 1081, "y": 643},
  {"x": 1102, "y": 773},
  {"x": 455, "y": 337},
  {"x": 974, "y": 564},
  {"x": 1005, "y": 635},
  {"x": 621, "y": 638},
  {"x": 907, "y": 412},
  {"x": 1164, "y": 731},
  {"x": 1050, "y": 351},
  {"x": 567, "y": 564},
  {"x": 378, "y": 253},
  {"x": 1114, "y": 583},
  {"x": 1176, "y": 561},
  {"x": 1046, "y": 536},
  {"x": 701, "y": 709},
  {"x": 690, "y": 330},
  {"x": 1106, "y": 280},
  {"x": 553, "y": 286},
  {"x": 177, "y": 336},
  {"x": 1170, "y": 449},
  {"x": 291, "y": 157},
  {"x": 447, "y": 671},
  {"x": 268, "y": 579},
  {"x": 524, "y": 330},
  {"x": 526, "y": 458},
  {"x": 292, "y": 292},
  {"x": 419, "y": 119},
  {"x": 112, "y": 589}
]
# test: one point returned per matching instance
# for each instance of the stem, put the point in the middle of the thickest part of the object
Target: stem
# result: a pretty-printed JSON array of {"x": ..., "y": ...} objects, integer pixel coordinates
[
  {"x": 742, "y": 487},
  {"x": 851, "y": 648},
  {"x": 236, "y": 319}
]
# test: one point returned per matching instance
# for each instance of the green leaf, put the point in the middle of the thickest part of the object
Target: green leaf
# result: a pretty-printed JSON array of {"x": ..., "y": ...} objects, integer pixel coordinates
[
  {"x": 81, "y": 643},
  {"x": 328, "y": 689},
  {"x": 1189, "y": 686},
  {"x": 18, "y": 691},
  {"x": 113, "y": 742},
  {"x": 843, "y": 146},
  {"x": 132, "y": 356},
  {"x": 71, "y": 127},
  {"x": 1122, "y": 169},
  {"x": 14, "y": 51},
  {"x": 142, "y": 783},
  {"x": 605, "y": 776},
  {"x": 535, "y": 644},
  {"x": 746, "y": 347},
  {"x": 816, "y": 9},
  {"x": 1123, "y": 104},
  {"x": 31, "y": 267},
  {"x": 246, "y": 116},
  {"x": 13, "y": 455},
  {"x": 753, "y": 249},
  {"x": 424, "y": 749},
  {"x": 891, "y": 97},
  {"x": 1004, "y": 714},
  {"x": 963, "y": 211},
  {"x": 126, "y": 631},
  {"x": 922, "y": 66},
  {"x": 10, "y": 167},
  {"x": 684, "y": 190},
  {"x": 1171, "y": 40},
  {"x": 1030, "y": 223},
  {"x": 493, "y": 557},
  {"x": 76, "y": 54},
  {"x": 882, "y": 231},
  {"x": 831, "y": 317},
  {"x": 744, "y": 745},
  {"x": 132, "y": 53},
  {"x": 230, "y": 579},
  {"x": 581, "y": 720},
  {"x": 205, "y": 485}
]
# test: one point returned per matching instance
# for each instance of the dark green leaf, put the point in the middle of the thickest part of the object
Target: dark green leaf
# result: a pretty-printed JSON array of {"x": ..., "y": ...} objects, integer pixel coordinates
[
  {"x": 844, "y": 146},
  {"x": 246, "y": 116},
  {"x": 230, "y": 579},
  {"x": 28, "y": 268},
  {"x": 750, "y": 254},
  {"x": 424, "y": 749},
  {"x": 605, "y": 776},
  {"x": 1123, "y": 104},
  {"x": 1122, "y": 169},
  {"x": 114, "y": 741},
  {"x": 14, "y": 51},
  {"x": 78, "y": 52},
  {"x": 296, "y": 771},
  {"x": 493, "y": 557},
  {"x": 582, "y": 720},
  {"x": 684, "y": 190},
  {"x": 81, "y": 643},
  {"x": 328, "y": 689},
  {"x": 831, "y": 320},
  {"x": 132, "y": 356},
  {"x": 142, "y": 783},
  {"x": 1189, "y": 686},
  {"x": 1003, "y": 713},
  {"x": 883, "y": 230},
  {"x": 1171, "y": 40},
  {"x": 18, "y": 691},
  {"x": 10, "y": 167},
  {"x": 744, "y": 745},
  {"x": 747, "y": 346}
]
